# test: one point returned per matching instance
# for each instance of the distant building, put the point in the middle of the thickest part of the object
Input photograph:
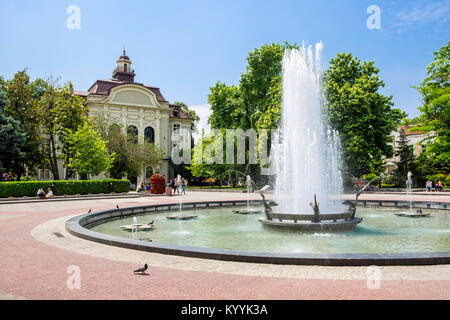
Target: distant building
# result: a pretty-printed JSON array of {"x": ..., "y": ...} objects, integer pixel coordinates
[
  {"x": 140, "y": 108},
  {"x": 414, "y": 139}
]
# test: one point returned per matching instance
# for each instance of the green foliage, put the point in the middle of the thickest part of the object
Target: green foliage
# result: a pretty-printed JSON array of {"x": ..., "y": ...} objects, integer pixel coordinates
[
  {"x": 21, "y": 104},
  {"x": 190, "y": 113},
  {"x": 62, "y": 187},
  {"x": 129, "y": 157},
  {"x": 364, "y": 117},
  {"x": 210, "y": 166},
  {"x": 225, "y": 106},
  {"x": 89, "y": 151},
  {"x": 12, "y": 141},
  {"x": 406, "y": 161},
  {"x": 61, "y": 111},
  {"x": 435, "y": 112}
]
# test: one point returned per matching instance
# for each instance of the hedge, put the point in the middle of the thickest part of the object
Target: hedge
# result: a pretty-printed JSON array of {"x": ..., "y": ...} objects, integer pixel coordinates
[{"x": 62, "y": 187}]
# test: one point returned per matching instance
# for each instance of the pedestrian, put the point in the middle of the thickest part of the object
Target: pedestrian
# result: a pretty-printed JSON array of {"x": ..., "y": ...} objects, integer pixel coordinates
[
  {"x": 429, "y": 186},
  {"x": 49, "y": 193},
  {"x": 184, "y": 185},
  {"x": 173, "y": 183},
  {"x": 440, "y": 185},
  {"x": 41, "y": 193}
]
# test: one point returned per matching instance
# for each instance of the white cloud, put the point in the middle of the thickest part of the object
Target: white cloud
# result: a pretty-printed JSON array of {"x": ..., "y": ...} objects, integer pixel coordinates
[
  {"x": 435, "y": 12},
  {"x": 203, "y": 111}
]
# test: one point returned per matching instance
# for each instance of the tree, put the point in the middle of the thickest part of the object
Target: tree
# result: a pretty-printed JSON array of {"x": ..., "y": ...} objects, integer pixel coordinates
[
  {"x": 189, "y": 112},
  {"x": 88, "y": 150},
  {"x": 210, "y": 166},
  {"x": 406, "y": 160},
  {"x": 130, "y": 157},
  {"x": 435, "y": 112},
  {"x": 260, "y": 87},
  {"x": 12, "y": 141},
  {"x": 225, "y": 106},
  {"x": 363, "y": 117},
  {"x": 61, "y": 110},
  {"x": 21, "y": 104}
]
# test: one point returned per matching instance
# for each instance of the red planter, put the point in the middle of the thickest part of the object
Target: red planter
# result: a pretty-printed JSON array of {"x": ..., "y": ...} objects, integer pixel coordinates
[{"x": 158, "y": 184}]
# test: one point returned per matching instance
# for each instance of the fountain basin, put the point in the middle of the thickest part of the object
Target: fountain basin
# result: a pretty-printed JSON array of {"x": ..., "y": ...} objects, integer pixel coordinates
[
  {"x": 305, "y": 222},
  {"x": 383, "y": 240}
]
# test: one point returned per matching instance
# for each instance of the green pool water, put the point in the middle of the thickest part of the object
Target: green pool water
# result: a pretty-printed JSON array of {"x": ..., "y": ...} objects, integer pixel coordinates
[{"x": 380, "y": 232}]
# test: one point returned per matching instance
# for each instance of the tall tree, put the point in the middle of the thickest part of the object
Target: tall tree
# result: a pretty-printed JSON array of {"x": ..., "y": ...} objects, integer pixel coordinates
[
  {"x": 364, "y": 117},
  {"x": 21, "y": 97},
  {"x": 61, "y": 110},
  {"x": 12, "y": 141},
  {"x": 406, "y": 160},
  {"x": 225, "y": 106},
  {"x": 435, "y": 113}
]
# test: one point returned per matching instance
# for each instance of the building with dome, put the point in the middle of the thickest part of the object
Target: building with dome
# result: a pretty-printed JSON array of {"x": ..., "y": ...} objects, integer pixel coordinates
[{"x": 140, "y": 108}]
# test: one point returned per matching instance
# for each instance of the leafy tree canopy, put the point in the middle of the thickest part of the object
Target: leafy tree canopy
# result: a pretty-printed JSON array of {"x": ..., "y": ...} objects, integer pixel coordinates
[{"x": 364, "y": 117}]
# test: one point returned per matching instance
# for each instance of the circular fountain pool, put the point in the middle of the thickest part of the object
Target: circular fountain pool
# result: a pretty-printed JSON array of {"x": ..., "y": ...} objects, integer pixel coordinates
[
  {"x": 382, "y": 239},
  {"x": 381, "y": 232}
]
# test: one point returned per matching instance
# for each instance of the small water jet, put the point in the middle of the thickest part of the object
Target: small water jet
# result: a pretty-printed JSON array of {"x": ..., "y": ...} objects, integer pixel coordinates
[
  {"x": 135, "y": 227},
  {"x": 411, "y": 213},
  {"x": 250, "y": 184}
]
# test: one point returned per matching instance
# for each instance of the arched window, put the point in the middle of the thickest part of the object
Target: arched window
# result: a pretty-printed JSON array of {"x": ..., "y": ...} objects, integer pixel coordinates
[
  {"x": 132, "y": 133},
  {"x": 175, "y": 113},
  {"x": 149, "y": 134}
]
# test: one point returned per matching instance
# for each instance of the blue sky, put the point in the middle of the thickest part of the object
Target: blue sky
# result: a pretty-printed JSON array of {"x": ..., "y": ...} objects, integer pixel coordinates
[{"x": 184, "y": 47}]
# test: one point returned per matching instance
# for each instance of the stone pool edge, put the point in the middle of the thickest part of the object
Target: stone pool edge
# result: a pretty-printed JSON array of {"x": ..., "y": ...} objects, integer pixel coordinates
[{"x": 76, "y": 227}]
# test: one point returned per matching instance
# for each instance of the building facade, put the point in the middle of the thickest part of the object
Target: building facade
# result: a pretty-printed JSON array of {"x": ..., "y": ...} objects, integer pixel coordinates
[
  {"x": 139, "y": 108},
  {"x": 414, "y": 140}
]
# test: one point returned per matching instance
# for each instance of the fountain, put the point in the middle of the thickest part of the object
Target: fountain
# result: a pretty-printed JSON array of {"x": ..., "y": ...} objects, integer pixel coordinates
[
  {"x": 306, "y": 158},
  {"x": 410, "y": 213},
  {"x": 248, "y": 210},
  {"x": 180, "y": 215},
  {"x": 135, "y": 227}
]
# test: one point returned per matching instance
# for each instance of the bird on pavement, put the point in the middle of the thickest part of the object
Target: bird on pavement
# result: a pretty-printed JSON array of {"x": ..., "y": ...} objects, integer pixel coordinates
[
  {"x": 90, "y": 210},
  {"x": 141, "y": 270},
  {"x": 117, "y": 206}
]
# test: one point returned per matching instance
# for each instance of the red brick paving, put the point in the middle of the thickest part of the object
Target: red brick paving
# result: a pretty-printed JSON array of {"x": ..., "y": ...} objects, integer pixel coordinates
[{"x": 34, "y": 270}]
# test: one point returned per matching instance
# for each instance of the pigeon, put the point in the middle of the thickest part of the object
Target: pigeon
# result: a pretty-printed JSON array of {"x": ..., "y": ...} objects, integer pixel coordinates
[
  {"x": 117, "y": 206},
  {"x": 90, "y": 210},
  {"x": 141, "y": 270},
  {"x": 150, "y": 223}
]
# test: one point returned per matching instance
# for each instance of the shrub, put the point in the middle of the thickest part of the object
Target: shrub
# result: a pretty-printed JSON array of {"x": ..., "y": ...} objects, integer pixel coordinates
[
  {"x": 158, "y": 184},
  {"x": 62, "y": 187}
]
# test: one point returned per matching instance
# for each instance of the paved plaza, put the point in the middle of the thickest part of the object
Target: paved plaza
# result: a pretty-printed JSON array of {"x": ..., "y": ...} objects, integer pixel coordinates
[{"x": 37, "y": 253}]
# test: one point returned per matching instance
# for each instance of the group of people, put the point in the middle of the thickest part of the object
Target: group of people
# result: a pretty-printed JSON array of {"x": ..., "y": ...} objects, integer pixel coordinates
[
  {"x": 438, "y": 186},
  {"x": 41, "y": 193},
  {"x": 178, "y": 184},
  {"x": 142, "y": 187}
]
